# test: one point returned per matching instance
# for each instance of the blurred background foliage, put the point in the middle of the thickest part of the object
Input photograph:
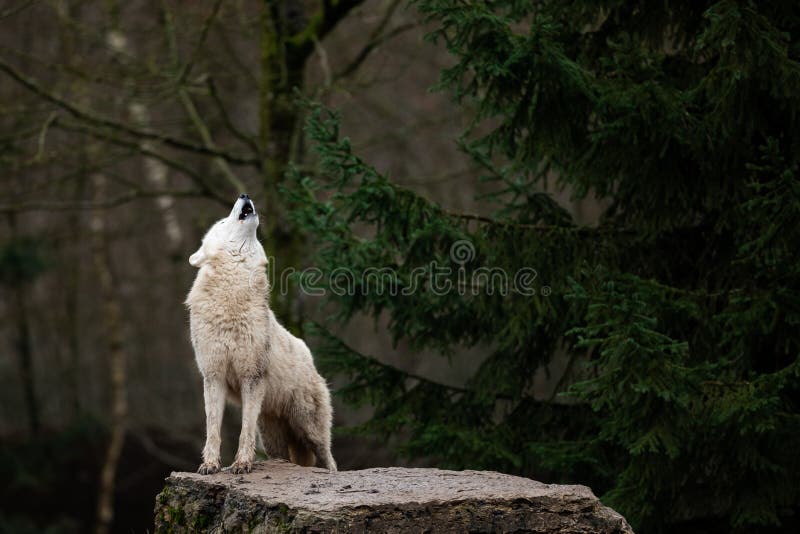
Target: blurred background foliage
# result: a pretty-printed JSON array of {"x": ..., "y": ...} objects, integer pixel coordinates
[{"x": 640, "y": 156}]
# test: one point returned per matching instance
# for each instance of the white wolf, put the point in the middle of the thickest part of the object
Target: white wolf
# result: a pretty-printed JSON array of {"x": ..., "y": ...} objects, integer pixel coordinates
[{"x": 243, "y": 351}]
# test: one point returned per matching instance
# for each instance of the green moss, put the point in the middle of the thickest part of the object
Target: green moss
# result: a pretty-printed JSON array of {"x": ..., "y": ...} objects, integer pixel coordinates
[
  {"x": 177, "y": 516},
  {"x": 169, "y": 519},
  {"x": 280, "y": 518},
  {"x": 200, "y": 522},
  {"x": 283, "y": 527}
]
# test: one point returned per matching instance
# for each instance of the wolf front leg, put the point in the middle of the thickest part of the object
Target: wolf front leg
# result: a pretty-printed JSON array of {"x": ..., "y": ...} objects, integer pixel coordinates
[
  {"x": 214, "y": 395},
  {"x": 252, "y": 396}
]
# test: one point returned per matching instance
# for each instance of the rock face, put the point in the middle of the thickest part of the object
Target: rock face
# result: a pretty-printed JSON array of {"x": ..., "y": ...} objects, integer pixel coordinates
[{"x": 281, "y": 497}]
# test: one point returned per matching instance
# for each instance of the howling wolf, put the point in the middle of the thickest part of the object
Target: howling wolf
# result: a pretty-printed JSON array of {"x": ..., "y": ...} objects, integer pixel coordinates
[{"x": 243, "y": 352}]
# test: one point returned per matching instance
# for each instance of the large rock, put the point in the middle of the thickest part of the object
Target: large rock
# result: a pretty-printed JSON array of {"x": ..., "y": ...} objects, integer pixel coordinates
[{"x": 281, "y": 497}]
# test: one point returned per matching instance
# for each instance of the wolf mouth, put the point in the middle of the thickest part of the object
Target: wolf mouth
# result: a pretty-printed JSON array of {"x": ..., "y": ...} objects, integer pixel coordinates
[{"x": 247, "y": 209}]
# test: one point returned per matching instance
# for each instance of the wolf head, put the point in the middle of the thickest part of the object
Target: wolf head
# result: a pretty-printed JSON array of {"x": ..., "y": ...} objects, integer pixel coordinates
[{"x": 234, "y": 235}]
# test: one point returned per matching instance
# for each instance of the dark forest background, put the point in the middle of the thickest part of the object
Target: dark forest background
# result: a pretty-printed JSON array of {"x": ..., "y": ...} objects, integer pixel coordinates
[{"x": 640, "y": 156}]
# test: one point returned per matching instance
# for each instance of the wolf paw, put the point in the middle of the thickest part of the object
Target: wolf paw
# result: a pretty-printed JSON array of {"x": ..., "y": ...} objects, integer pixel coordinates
[
  {"x": 239, "y": 467},
  {"x": 208, "y": 468}
]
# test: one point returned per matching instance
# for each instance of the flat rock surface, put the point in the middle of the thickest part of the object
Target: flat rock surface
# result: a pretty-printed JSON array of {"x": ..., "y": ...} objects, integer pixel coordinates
[{"x": 279, "y": 496}]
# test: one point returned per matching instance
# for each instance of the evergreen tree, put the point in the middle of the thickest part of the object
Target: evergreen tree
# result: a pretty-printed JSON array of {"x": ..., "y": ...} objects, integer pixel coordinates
[{"x": 679, "y": 311}]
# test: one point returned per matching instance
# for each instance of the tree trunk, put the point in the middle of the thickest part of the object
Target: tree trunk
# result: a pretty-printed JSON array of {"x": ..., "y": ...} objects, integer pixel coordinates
[
  {"x": 72, "y": 289},
  {"x": 280, "y": 123},
  {"x": 116, "y": 360},
  {"x": 23, "y": 345}
]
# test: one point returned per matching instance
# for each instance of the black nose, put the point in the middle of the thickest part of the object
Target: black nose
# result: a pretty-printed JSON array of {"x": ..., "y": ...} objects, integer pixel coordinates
[{"x": 244, "y": 195}]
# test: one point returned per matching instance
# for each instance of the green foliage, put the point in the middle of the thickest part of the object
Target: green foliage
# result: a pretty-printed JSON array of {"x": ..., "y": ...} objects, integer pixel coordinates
[
  {"x": 21, "y": 260},
  {"x": 678, "y": 313},
  {"x": 35, "y": 495}
]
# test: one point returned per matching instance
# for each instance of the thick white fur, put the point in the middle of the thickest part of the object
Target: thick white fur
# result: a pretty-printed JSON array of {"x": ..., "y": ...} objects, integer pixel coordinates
[{"x": 243, "y": 352}]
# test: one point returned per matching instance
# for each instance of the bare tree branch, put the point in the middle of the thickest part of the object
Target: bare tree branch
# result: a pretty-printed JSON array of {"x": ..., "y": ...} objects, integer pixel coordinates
[
  {"x": 187, "y": 68},
  {"x": 186, "y": 99},
  {"x": 376, "y": 38},
  {"x": 98, "y": 120},
  {"x": 100, "y": 78},
  {"x": 55, "y": 205},
  {"x": 369, "y": 47},
  {"x": 104, "y": 135},
  {"x": 577, "y": 230},
  {"x": 439, "y": 178},
  {"x": 320, "y": 24},
  {"x": 208, "y": 141},
  {"x": 10, "y": 12},
  {"x": 19, "y": 135}
]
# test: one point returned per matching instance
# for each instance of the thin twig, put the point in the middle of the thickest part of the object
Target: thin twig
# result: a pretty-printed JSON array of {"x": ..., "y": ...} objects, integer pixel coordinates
[
  {"x": 188, "y": 104},
  {"x": 208, "y": 141},
  {"x": 43, "y": 137},
  {"x": 187, "y": 68},
  {"x": 377, "y": 38},
  {"x": 249, "y": 140}
]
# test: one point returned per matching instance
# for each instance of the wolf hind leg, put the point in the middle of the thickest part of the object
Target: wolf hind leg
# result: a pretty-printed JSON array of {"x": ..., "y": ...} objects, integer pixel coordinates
[
  {"x": 300, "y": 453},
  {"x": 275, "y": 435},
  {"x": 280, "y": 441}
]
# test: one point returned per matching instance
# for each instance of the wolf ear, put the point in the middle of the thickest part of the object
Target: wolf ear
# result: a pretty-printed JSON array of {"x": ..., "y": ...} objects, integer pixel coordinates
[{"x": 198, "y": 258}]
